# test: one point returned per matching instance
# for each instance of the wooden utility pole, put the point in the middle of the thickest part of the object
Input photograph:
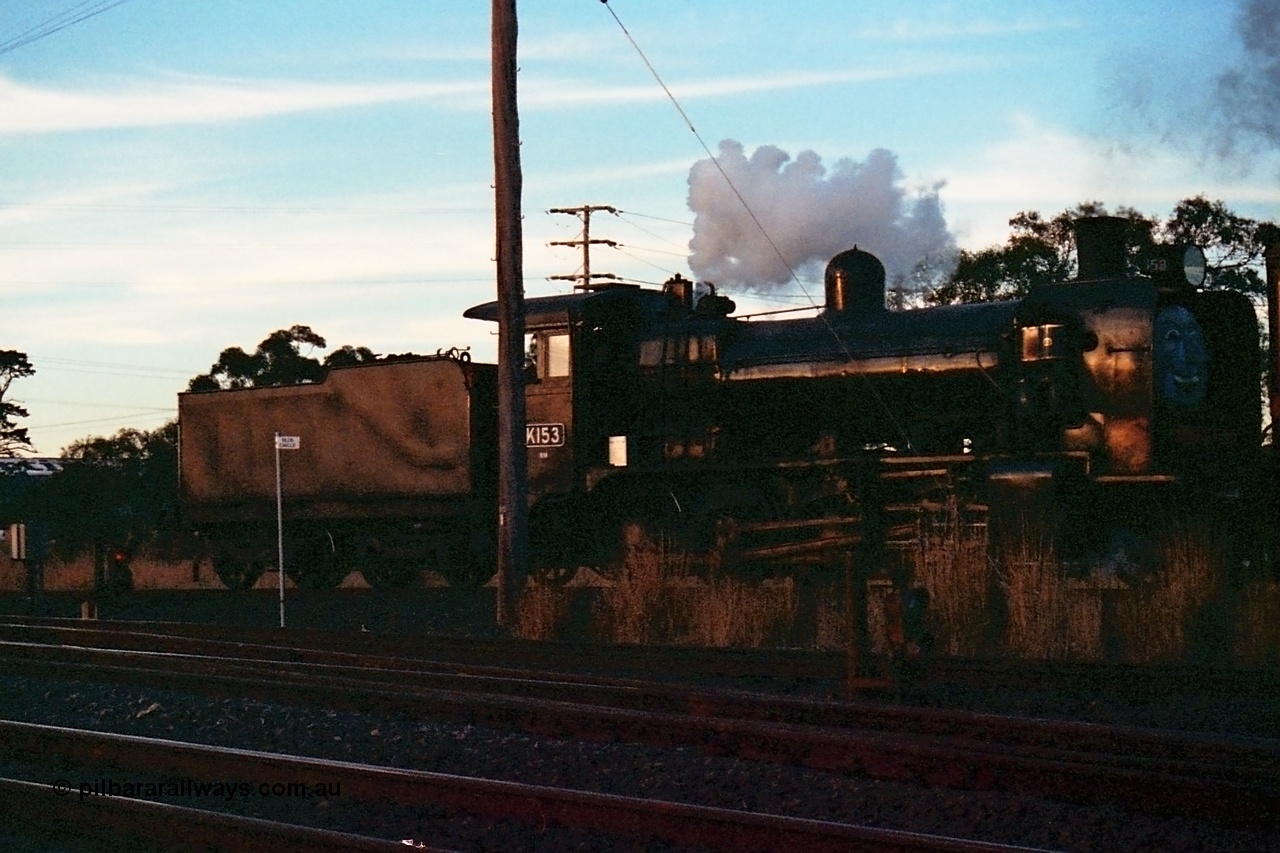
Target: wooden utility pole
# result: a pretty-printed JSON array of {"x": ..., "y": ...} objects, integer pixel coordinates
[
  {"x": 586, "y": 280},
  {"x": 513, "y": 535}
]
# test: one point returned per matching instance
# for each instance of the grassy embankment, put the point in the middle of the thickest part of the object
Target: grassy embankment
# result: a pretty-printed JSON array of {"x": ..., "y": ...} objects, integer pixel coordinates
[{"x": 1179, "y": 604}]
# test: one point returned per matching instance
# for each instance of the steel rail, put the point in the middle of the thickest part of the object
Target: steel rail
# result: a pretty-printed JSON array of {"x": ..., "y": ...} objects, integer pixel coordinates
[
  {"x": 1129, "y": 680},
  {"x": 1178, "y": 751},
  {"x": 536, "y": 805},
  {"x": 125, "y": 822},
  {"x": 1170, "y": 788}
]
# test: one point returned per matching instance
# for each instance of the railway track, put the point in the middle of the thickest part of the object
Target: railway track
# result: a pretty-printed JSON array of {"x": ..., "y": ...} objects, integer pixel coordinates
[
  {"x": 143, "y": 825},
  {"x": 151, "y": 761},
  {"x": 781, "y": 668},
  {"x": 1234, "y": 781}
]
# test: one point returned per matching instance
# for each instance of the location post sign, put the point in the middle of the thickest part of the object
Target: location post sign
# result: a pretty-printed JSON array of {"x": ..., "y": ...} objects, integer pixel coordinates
[{"x": 282, "y": 442}]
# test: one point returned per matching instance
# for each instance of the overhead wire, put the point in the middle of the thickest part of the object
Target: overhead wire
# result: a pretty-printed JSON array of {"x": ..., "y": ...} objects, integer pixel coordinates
[
  {"x": 71, "y": 365},
  {"x": 759, "y": 225},
  {"x": 650, "y": 216},
  {"x": 60, "y": 22},
  {"x": 116, "y": 419},
  {"x": 714, "y": 160}
]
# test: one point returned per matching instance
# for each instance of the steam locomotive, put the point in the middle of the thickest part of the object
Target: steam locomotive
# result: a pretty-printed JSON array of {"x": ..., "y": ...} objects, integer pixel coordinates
[{"x": 754, "y": 445}]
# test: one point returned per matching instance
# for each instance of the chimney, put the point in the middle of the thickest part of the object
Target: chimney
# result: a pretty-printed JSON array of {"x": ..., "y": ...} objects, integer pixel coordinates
[
  {"x": 1100, "y": 247},
  {"x": 679, "y": 290}
]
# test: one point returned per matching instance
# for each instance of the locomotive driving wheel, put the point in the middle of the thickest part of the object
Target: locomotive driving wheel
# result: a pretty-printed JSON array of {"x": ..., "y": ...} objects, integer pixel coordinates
[{"x": 634, "y": 523}]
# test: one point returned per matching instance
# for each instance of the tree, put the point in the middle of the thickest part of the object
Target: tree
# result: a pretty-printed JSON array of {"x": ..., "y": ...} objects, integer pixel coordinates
[
  {"x": 13, "y": 438},
  {"x": 278, "y": 360},
  {"x": 117, "y": 491},
  {"x": 1233, "y": 244},
  {"x": 1041, "y": 251},
  {"x": 992, "y": 274}
]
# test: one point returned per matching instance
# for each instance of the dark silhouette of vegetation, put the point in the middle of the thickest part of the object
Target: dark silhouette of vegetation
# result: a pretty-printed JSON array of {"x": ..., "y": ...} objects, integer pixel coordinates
[
  {"x": 113, "y": 492},
  {"x": 13, "y": 438},
  {"x": 1040, "y": 250},
  {"x": 278, "y": 360}
]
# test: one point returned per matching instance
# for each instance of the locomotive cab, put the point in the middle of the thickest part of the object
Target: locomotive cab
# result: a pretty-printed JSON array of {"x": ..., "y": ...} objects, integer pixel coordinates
[{"x": 582, "y": 382}]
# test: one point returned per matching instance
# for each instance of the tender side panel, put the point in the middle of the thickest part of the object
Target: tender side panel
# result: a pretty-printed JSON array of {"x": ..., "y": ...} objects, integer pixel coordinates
[{"x": 379, "y": 431}]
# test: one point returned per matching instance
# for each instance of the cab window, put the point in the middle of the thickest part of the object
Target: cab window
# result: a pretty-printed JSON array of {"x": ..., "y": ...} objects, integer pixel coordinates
[
  {"x": 681, "y": 349},
  {"x": 547, "y": 355},
  {"x": 557, "y": 350}
]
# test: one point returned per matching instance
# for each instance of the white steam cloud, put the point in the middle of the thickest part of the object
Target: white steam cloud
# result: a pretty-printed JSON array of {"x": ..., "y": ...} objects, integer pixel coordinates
[{"x": 809, "y": 215}]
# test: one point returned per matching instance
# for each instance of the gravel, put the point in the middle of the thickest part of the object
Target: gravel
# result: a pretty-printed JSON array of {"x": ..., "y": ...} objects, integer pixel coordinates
[{"x": 674, "y": 774}]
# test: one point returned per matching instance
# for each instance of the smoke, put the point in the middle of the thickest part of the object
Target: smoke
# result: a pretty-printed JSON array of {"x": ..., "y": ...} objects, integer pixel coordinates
[
  {"x": 809, "y": 214},
  {"x": 1248, "y": 99}
]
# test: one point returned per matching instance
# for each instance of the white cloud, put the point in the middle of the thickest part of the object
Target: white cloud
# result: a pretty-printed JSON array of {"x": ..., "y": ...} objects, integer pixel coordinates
[
  {"x": 198, "y": 100},
  {"x": 1049, "y": 169},
  {"x": 951, "y": 29},
  {"x": 573, "y": 93},
  {"x": 187, "y": 100}
]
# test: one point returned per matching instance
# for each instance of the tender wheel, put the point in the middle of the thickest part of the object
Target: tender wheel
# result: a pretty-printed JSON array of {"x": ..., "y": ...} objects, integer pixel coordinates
[
  {"x": 314, "y": 560},
  {"x": 236, "y": 573},
  {"x": 390, "y": 572}
]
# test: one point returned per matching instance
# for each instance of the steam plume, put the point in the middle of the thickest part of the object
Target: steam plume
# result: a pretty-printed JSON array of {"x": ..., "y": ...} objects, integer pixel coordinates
[
  {"x": 1249, "y": 97},
  {"x": 809, "y": 214}
]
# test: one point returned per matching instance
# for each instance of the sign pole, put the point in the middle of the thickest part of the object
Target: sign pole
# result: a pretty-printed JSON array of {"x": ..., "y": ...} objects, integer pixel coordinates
[
  {"x": 282, "y": 442},
  {"x": 279, "y": 531}
]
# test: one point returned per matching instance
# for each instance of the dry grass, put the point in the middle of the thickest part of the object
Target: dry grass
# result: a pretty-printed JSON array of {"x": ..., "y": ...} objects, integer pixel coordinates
[
  {"x": 831, "y": 633},
  {"x": 1156, "y": 618},
  {"x": 730, "y": 612},
  {"x": 540, "y": 611},
  {"x": 1036, "y": 611},
  {"x": 636, "y": 608},
  {"x": 1257, "y": 640},
  {"x": 950, "y": 562},
  {"x": 656, "y": 600}
]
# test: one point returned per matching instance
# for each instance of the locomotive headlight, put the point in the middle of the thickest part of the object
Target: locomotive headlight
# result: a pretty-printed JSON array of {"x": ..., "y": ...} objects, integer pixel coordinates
[
  {"x": 1175, "y": 265},
  {"x": 1194, "y": 266}
]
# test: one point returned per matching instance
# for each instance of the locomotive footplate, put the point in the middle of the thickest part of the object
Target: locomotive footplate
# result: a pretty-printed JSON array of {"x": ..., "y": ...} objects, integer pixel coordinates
[{"x": 790, "y": 540}]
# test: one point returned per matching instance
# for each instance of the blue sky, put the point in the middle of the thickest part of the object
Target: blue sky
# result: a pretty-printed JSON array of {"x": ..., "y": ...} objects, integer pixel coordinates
[{"x": 178, "y": 176}]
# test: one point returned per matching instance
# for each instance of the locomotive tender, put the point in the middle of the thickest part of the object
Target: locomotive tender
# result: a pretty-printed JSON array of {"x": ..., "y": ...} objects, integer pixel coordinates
[{"x": 782, "y": 442}]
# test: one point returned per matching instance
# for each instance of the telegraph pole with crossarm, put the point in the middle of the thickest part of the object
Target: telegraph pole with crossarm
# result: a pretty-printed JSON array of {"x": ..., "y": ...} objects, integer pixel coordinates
[{"x": 586, "y": 280}]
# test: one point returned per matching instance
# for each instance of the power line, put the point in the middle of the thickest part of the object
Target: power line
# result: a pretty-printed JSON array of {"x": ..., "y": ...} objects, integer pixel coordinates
[
  {"x": 653, "y": 234},
  {"x": 104, "y": 368},
  {"x": 116, "y": 419},
  {"x": 83, "y": 405},
  {"x": 840, "y": 342},
  {"x": 61, "y": 21},
  {"x": 650, "y": 216},
  {"x": 714, "y": 160}
]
